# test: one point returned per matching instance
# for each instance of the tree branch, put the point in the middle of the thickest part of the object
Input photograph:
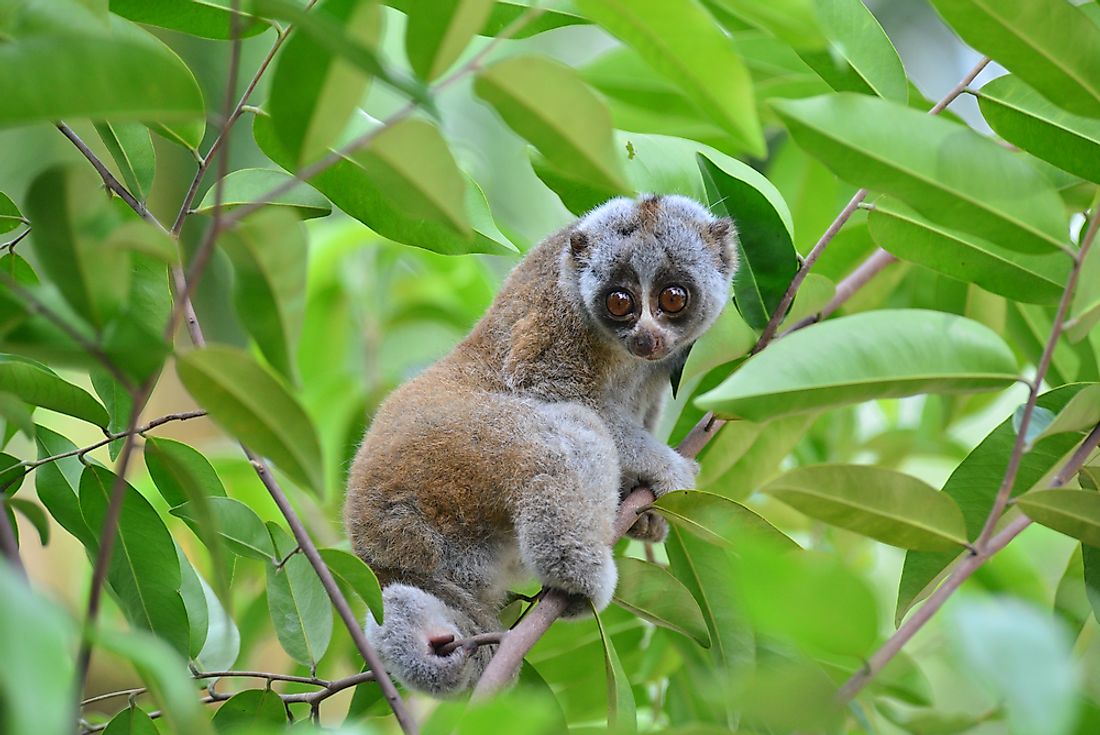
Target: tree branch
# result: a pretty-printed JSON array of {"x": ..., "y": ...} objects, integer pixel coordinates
[
  {"x": 819, "y": 248},
  {"x": 857, "y": 279},
  {"x": 8, "y": 544}
]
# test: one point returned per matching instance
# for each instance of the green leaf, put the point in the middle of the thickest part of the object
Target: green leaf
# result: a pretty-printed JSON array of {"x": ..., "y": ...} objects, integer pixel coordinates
[
  {"x": 313, "y": 91},
  {"x": 355, "y": 573},
  {"x": 410, "y": 161},
  {"x": 194, "y": 602},
  {"x": 530, "y": 92},
  {"x": 10, "y": 217},
  {"x": 180, "y": 472},
  {"x": 187, "y": 134},
  {"x": 438, "y": 32},
  {"x": 881, "y": 354},
  {"x": 1049, "y": 44},
  {"x": 33, "y": 513},
  {"x": 71, "y": 216},
  {"x": 131, "y": 721},
  {"x": 1028, "y": 120},
  {"x": 765, "y": 234},
  {"x": 888, "y": 506},
  {"x": 1075, "y": 513},
  {"x": 253, "y": 406},
  {"x": 131, "y": 148},
  {"x": 651, "y": 592},
  {"x": 123, "y": 73},
  {"x": 698, "y": 58},
  {"x": 1033, "y": 278},
  {"x": 248, "y": 185},
  {"x": 37, "y": 385},
  {"x": 118, "y": 402},
  {"x": 503, "y": 14},
  {"x": 11, "y": 474},
  {"x": 144, "y": 571},
  {"x": 270, "y": 261},
  {"x": 944, "y": 170},
  {"x": 718, "y": 520},
  {"x": 728, "y": 339},
  {"x": 250, "y": 710},
  {"x": 58, "y": 482},
  {"x": 621, "y": 710},
  {"x": 973, "y": 485},
  {"x": 197, "y": 17},
  {"x": 1080, "y": 414},
  {"x": 299, "y": 607},
  {"x": 348, "y": 186},
  {"x": 223, "y": 639},
  {"x": 1085, "y": 309},
  {"x": 38, "y": 659},
  {"x": 794, "y": 21},
  {"x": 235, "y": 522}
]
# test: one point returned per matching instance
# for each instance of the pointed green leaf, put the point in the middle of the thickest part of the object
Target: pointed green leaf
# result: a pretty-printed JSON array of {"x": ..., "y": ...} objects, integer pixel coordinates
[
  {"x": 1075, "y": 513},
  {"x": 187, "y": 134},
  {"x": 621, "y": 709},
  {"x": 33, "y": 513},
  {"x": 234, "y": 521},
  {"x": 118, "y": 403},
  {"x": 131, "y": 148},
  {"x": 944, "y": 170},
  {"x": 880, "y": 354},
  {"x": 144, "y": 571},
  {"x": 248, "y": 185},
  {"x": 1085, "y": 309},
  {"x": 888, "y": 506},
  {"x": 503, "y": 14},
  {"x": 530, "y": 92},
  {"x": 438, "y": 32},
  {"x": 1030, "y": 121},
  {"x": 249, "y": 711},
  {"x": 270, "y": 262},
  {"x": 1050, "y": 44},
  {"x": 313, "y": 91},
  {"x": 253, "y": 406},
  {"x": 194, "y": 602},
  {"x": 651, "y": 592},
  {"x": 37, "y": 385},
  {"x": 410, "y": 162},
  {"x": 718, "y": 520},
  {"x": 1080, "y": 414},
  {"x": 10, "y": 217},
  {"x": 698, "y": 57},
  {"x": 131, "y": 721},
  {"x": 355, "y": 573},
  {"x": 765, "y": 235},
  {"x": 223, "y": 639},
  {"x": 299, "y": 607},
  {"x": 793, "y": 21},
  {"x": 197, "y": 17},
  {"x": 1033, "y": 278},
  {"x": 57, "y": 484}
]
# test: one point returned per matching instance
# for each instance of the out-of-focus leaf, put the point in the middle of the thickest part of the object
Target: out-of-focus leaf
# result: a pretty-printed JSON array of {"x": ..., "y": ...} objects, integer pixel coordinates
[
  {"x": 530, "y": 92},
  {"x": 1049, "y": 44},
  {"x": 10, "y": 217},
  {"x": 1028, "y": 120},
  {"x": 118, "y": 402},
  {"x": 438, "y": 32},
  {"x": 888, "y": 506},
  {"x": 248, "y": 185},
  {"x": 944, "y": 170},
  {"x": 793, "y": 21},
  {"x": 131, "y": 148},
  {"x": 270, "y": 260},
  {"x": 1075, "y": 513},
  {"x": 253, "y": 708},
  {"x": 120, "y": 73},
  {"x": 38, "y": 653},
  {"x": 698, "y": 57},
  {"x": 1033, "y": 278},
  {"x": 194, "y": 602},
  {"x": 131, "y": 721},
  {"x": 621, "y": 711},
  {"x": 33, "y": 513},
  {"x": 880, "y": 354},
  {"x": 252, "y": 405},
  {"x": 1085, "y": 310},
  {"x": 223, "y": 639},
  {"x": 187, "y": 134},
  {"x": 929, "y": 721},
  {"x": 355, "y": 573},
  {"x": 234, "y": 521},
  {"x": 37, "y": 385},
  {"x": 314, "y": 91},
  {"x": 765, "y": 234},
  {"x": 197, "y": 17},
  {"x": 350, "y": 188},
  {"x": 728, "y": 339},
  {"x": 144, "y": 571},
  {"x": 58, "y": 482},
  {"x": 299, "y": 607},
  {"x": 650, "y": 592},
  {"x": 718, "y": 520},
  {"x": 503, "y": 14}
]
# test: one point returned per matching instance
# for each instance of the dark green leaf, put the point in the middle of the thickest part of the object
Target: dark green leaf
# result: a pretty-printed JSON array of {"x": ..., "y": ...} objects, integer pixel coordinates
[
  {"x": 299, "y": 607},
  {"x": 131, "y": 721},
  {"x": 197, "y": 17},
  {"x": 10, "y": 217},
  {"x": 58, "y": 482},
  {"x": 131, "y": 148},
  {"x": 355, "y": 573},
  {"x": 250, "y": 710},
  {"x": 439, "y": 31},
  {"x": 144, "y": 571},
  {"x": 621, "y": 710},
  {"x": 234, "y": 521},
  {"x": 248, "y": 185},
  {"x": 880, "y": 354},
  {"x": 33, "y": 513},
  {"x": 944, "y": 170},
  {"x": 252, "y": 405},
  {"x": 718, "y": 520},
  {"x": 180, "y": 472},
  {"x": 37, "y": 385},
  {"x": 11, "y": 474},
  {"x": 118, "y": 402},
  {"x": 650, "y": 592}
]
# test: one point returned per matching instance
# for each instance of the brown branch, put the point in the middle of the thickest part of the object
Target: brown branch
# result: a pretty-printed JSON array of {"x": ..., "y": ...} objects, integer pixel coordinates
[
  {"x": 819, "y": 248},
  {"x": 10, "y": 245},
  {"x": 857, "y": 279},
  {"x": 8, "y": 544}
]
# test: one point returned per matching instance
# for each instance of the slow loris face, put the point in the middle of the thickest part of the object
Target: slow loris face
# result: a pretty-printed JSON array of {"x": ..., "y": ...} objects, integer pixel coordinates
[{"x": 653, "y": 274}]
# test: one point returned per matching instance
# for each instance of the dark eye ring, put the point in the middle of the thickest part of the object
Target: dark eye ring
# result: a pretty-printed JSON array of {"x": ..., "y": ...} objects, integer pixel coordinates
[
  {"x": 673, "y": 299},
  {"x": 620, "y": 304}
]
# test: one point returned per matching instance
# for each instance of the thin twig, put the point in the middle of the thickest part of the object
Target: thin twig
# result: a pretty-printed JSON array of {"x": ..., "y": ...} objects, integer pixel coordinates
[
  {"x": 10, "y": 245},
  {"x": 854, "y": 281},
  {"x": 845, "y": 214}
]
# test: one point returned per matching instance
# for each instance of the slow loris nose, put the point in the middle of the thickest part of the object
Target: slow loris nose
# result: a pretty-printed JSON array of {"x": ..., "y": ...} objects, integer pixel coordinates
[{"x": 644, "y": 343}]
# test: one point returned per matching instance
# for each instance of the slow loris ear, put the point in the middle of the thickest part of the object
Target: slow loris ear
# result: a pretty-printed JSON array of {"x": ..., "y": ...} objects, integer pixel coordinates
[
  {"x": 722, "y": 235},
  {"x": 578, "y": 244}
]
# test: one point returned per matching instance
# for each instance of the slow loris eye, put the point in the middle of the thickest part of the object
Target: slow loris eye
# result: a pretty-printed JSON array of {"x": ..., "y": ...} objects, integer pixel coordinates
[
  {"x": 620, "y": 304},
  {"x": 673, "y": 299}
]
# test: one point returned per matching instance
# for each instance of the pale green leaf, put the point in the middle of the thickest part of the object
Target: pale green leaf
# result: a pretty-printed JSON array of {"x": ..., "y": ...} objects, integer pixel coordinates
[
  {"x": 37, "y": 385},
  {"x": 131, "y": 148},
  {"x": 242, "y": 529},
  {"x": 718, "y": 520},
  {"x": 621, "y": 709},
  {"x": 1075, "y": 513},
  {"x": 439, "y": 30},
  {"x": 651, "y": 592},
  {"x": 248, "y": 185}
]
